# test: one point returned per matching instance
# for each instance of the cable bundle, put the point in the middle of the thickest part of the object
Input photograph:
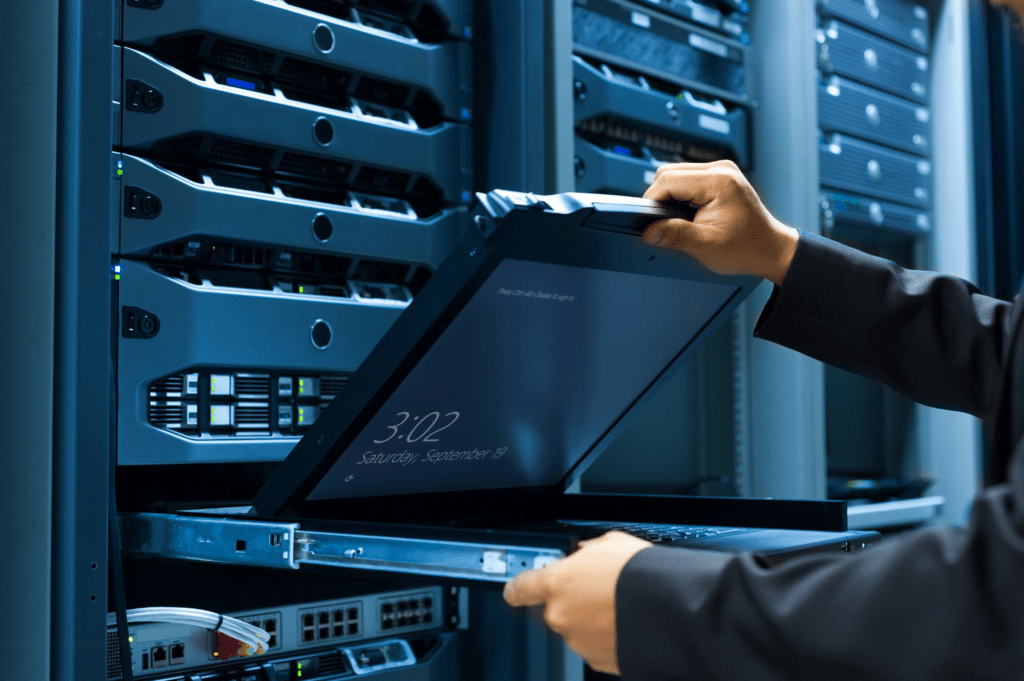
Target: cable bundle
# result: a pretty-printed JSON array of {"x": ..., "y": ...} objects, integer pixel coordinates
[{"x": 254, "y": 638}]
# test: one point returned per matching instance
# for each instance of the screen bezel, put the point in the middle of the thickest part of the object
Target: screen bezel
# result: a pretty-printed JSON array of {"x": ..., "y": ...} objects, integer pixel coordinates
[{"x": 578, "y": 236}]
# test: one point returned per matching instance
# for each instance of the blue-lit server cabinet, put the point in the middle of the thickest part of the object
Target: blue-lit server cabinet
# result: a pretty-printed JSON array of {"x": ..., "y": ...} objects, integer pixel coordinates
[
  {"x": 271, "y": 182},
  {"x": 288, "y": 176}
]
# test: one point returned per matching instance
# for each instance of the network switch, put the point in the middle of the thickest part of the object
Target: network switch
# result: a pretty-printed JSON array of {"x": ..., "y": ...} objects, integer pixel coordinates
[
  {"x": 627, "y": 35},
  {"x": 637, "y": 109},
  {"x": 608, "y": 164},
  {"x": 861, "y": 167},
  {"x": 707, "y": 13},
  {"x": 429, "y": 20},
  {"x": 903, "y": 21},
  {"x": 848, "y": 107},
  {"x": 207, "y": 204},
  {"x": 257, "y": 121},
  {"x": 261, "y": 39},
  {"x": 851, "y": 210},
  {"x": 262, "y": 332},
  {"x": 311, "y": 628},
  {"x": 874, "y": 61}
]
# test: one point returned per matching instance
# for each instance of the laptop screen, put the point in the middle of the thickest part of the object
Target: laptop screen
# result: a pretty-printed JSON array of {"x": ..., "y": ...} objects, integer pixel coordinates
[{"x": 538, "y": 365}]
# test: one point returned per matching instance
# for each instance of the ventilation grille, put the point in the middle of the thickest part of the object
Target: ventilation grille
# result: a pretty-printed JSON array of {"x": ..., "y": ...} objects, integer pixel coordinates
[
  {"x": 252, "y": 167},
  {"x": 237, "y": 254},
  {"x": 328, "y": 665},
  {"x": 252, "y": 415},
  {"x": 166, "y": 413},
  {"x": 171, "y": 384},
  {"x": 235, "y": 153},
  {"x": 313, "y": 168},
  {"x": 252, "y": 385},
  {"x": 298, "y": 79},
  {"x": 331, "y": 386},
  {"x": 113, "y": 656}
]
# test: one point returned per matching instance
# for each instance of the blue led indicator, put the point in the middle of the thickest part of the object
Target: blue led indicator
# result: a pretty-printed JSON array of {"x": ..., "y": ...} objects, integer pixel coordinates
[
  {"x": 468, "y": 31},
  {"x": 466, "y": 114},
  {"x": 622, "y": 150},
  {"x": 466, "y": 196},
  {"x": 117, "y": 269},
  {"x": 241, "y": 83}
]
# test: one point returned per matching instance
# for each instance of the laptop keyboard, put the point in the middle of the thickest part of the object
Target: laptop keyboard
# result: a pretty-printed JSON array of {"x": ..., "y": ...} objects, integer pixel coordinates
[{"x": 656, "y": 534}]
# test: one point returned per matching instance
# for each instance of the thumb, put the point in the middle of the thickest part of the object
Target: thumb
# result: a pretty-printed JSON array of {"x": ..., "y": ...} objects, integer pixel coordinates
[{"x": 526, "y": 589}]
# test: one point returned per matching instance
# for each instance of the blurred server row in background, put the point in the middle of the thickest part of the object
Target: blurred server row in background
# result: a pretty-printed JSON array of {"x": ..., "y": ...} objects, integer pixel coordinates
[{"x": 875, "y": 164}]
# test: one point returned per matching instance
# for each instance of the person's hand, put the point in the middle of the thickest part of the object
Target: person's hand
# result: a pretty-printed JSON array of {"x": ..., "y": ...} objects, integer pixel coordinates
[
  {"x": 732, "y": 233},
  {"x": 578, "y": 593}
]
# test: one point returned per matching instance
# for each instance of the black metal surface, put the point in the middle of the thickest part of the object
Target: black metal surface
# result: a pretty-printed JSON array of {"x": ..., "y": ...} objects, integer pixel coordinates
[{"x": 82, "y": 328}]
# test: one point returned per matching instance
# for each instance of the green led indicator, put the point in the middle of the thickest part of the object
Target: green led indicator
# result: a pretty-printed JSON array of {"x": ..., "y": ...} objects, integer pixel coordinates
[
  {"x": 120, "y": 172},
  {"x": 117, "y": 277},
  {"x": 299, "y": 665},
  {"x": 301, "y": 289},
  {"x": 299, "y": 673}
]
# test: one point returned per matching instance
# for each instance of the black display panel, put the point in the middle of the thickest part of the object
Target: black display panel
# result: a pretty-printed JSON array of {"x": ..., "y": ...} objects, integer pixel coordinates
[{"x": 531, "y": 373}]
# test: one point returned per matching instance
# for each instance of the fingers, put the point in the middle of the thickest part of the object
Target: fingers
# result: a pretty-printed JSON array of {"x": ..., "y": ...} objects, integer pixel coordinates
[
  {"x": 698, "y": 183},
  {"x": 528, "y": 588},
  {"x": 672, "y": 233}
]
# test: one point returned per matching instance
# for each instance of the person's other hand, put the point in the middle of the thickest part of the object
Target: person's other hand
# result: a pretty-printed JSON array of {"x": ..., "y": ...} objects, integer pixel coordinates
[
  {"x": 732, "y": 232},
  {"x": 578, "y": 593}
]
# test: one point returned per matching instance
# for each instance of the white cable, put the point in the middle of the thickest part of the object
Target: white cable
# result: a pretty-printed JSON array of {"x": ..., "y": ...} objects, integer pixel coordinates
[{"x": 251, "y": 635}]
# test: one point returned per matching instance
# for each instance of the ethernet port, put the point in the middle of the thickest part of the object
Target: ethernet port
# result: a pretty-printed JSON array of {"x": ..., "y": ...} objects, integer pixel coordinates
[
  {"x": 324, "y": 632},
  {"x": 427, "y": 602},
  {"x": 414, "y": 604},
  {"x": 178, "y": 653},
  {"x": 159, "y": 656},
  {"x": 353, "y": 613},
  {"x": 403, "y": 605},
  {"x": 339, "y": 630},
  {"x": 415, "y": 619},
  {"x": 427, "y": 618},
  {"x": 338, "y": 616},
  {"x": 272, "y": 641},
  {"x": 269, "y": 626},
  {"x": 324, "y": 618},
  {"x": 387, "y": 607},
  {"x": 402, "y": 620},
  {"x": 307, "y": 620},
  {"x": 353, "y": 628},
  {"x": 308, "y": 635},
  {"x": 387, "y": 624}
]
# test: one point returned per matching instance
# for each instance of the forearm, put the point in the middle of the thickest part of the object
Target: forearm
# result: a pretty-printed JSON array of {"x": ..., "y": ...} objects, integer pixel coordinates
[
  {"x": 932, "y": 605},
  {"x": 934, "y": 337}
]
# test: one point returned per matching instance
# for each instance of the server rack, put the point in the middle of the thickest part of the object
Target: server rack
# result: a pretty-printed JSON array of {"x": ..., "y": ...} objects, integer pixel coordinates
[
  {"x": 288, "y": 177},
  {"x": 876, "y": 175},
  {"x": 656, "y": 83}
]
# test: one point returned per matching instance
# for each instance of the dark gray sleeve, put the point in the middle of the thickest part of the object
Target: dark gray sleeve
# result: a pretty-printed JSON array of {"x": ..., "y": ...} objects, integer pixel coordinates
[
  {"x": 933, "y": 337},
  {"x": 931, "y": 605}
]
